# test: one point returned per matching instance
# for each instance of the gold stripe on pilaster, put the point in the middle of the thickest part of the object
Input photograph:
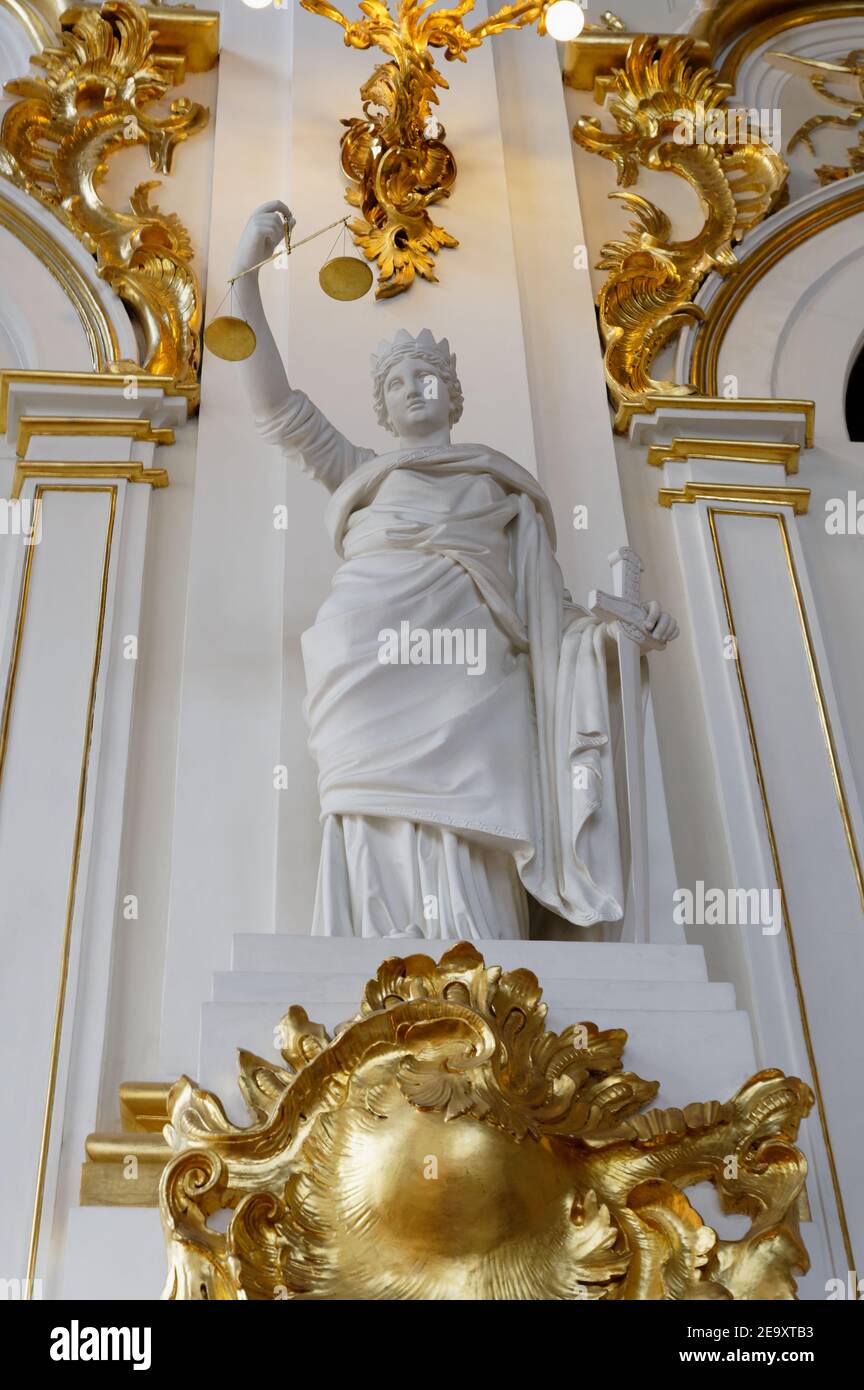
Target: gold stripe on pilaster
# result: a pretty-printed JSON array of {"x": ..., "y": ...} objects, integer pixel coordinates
[
  {"x": 78, "y": 831},
  {"x": 837, "y": 776},
  {"x": 796, "y": 497}
]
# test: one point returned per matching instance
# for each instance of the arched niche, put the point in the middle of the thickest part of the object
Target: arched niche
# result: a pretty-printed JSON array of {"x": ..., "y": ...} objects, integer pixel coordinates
[
  {"x": 855, "y": 399},
  {"x": 55, "y": 312},
  {"x": 788, "y": 322}
]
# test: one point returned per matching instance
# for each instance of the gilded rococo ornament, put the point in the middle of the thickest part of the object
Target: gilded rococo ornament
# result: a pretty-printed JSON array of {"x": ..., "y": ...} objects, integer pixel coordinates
[
  {"x": 96, "y": 95},
  {"x": 823, "y": 77},
  {"x": 394, "y": 156},
  {"x": 445, "y": 1145},
  {"x": 671, "y": 113}
]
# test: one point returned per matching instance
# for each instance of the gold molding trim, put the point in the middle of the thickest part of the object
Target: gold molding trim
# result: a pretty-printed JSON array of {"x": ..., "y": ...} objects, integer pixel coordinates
[
  {"x": 798, "y": 498},
  {"x": 144, "y": 1106},
  {"x": 778, "y": 21},
  {"x": 107, "y": 1178},
  {"x": 54, "y": 468},
  {"x": 40, "y": 19},
  {"x": 549, "y": 1180},
  {"x": 709, "y": 337},
  {"x": 77, "y": 426},
  {"x": 66, "y": 940},
  {"x": 99, "y": 331},
  {"x": 762, "y": 405},
  {"x": 597, "y": 54},
  {"x": 89, "y": 381},
  {"x": 652, "y": 280},
  {"x": 725, "y": 450},
  {"x": 102, "y": 86},
  {"x": 825, "y": 723}
]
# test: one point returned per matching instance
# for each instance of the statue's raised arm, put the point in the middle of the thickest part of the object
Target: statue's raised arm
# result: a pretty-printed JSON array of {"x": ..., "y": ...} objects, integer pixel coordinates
[{"x": 283, "y": 415}]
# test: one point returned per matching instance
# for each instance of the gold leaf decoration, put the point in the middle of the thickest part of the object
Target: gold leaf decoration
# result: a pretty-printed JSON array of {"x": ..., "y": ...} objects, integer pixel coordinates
[
  {"x": 823, "y": 77},
  {"x": 94, "y": 96},
  {"x": 394, "y": 156},
  {"x": 445, "y": 1145},
  {"x": 652, "y": 278}
]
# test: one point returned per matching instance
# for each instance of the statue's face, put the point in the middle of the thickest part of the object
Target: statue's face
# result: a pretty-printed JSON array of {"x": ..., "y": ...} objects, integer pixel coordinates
[{"x": 417, "y": 400}]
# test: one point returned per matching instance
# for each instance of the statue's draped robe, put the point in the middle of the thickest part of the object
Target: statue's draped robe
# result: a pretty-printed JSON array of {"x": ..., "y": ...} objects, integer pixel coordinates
[{"x": 445, "y": 794}]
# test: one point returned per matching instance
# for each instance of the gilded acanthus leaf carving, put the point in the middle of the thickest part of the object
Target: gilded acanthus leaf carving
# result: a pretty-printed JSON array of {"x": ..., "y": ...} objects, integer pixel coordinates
[
  {"x": 444, "y": 1144},
  {"x": 663, "y": 102},
  {"x": 96, "y": 93}
]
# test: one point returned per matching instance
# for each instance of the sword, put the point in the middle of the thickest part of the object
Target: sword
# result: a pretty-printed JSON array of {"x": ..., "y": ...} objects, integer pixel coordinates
[{"x": 624, "y": 609}]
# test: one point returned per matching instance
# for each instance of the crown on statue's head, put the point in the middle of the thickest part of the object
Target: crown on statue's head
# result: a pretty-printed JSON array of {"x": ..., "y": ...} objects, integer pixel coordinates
[
  {"x": 406, "y": 345},
  {"x": 438, "y": 355}
]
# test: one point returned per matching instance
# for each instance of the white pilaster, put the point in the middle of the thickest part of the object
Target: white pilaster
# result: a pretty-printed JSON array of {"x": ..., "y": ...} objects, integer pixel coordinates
[
  {"x": 84, "y": 449},
  {"x": 791, "y": 814}
]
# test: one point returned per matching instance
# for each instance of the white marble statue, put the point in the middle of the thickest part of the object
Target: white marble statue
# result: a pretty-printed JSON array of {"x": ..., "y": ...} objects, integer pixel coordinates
[{"x": 457, "y": 701}]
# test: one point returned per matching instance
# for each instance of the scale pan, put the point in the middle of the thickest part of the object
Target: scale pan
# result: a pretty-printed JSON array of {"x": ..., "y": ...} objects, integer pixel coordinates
[
  {"x": 345, "y": 277},
  {"x": 229, "y": 338}
]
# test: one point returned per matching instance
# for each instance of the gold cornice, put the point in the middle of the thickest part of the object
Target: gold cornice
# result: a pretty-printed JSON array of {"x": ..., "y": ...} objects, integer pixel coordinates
[
  {"x": 744, "y": 405},
  {"x": 798, "y": 498},
  {"x": 725, "y": 450},
  {"x": 90, "y": 427},
  {"x": 109, "y": 471},
  {"x": 88, "y": 381},
  {"x": 732, "y": 291}
]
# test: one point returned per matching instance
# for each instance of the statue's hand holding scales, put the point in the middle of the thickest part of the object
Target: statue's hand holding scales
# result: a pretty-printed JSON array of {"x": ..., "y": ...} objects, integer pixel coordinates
[{"x": 457, "y": 705}]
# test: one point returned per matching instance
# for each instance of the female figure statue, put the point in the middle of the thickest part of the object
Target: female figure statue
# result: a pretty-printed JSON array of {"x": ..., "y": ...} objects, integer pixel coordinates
[{"x": 457, "y": 702}]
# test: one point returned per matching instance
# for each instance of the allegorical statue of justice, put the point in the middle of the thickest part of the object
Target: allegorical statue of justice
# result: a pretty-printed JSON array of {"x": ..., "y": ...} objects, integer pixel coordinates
[{"x": 457, "y": 700}]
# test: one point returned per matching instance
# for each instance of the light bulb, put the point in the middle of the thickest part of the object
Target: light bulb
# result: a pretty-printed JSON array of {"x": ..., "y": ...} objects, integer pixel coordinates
[{"x": 565, "y": 20}]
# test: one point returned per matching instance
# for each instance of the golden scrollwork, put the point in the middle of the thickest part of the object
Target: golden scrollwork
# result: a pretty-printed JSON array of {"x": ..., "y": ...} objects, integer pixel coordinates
[
  {"x": 98, "y": 93},
  {"x": 394, "y": 156},
  {"x": 672, "y": 114},
  {"x": 823, "y": 76},
  {"x": 444, "y": 1144}
]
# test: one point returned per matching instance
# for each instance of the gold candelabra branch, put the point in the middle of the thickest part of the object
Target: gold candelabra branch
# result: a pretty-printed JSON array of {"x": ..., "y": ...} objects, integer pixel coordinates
[{"x": 394, "y": 156}]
